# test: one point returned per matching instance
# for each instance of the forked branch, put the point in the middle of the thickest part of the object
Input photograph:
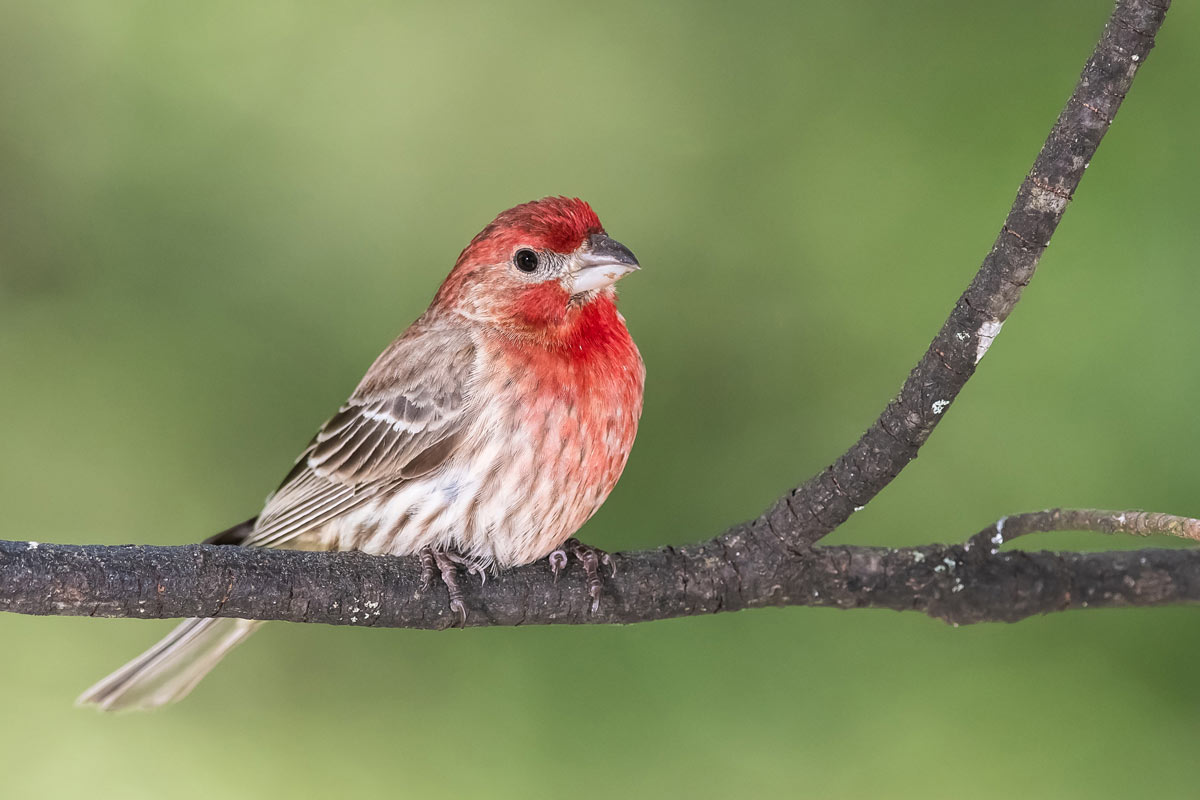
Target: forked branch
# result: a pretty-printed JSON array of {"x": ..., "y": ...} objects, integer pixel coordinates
[{"x": 772, "y": 560}]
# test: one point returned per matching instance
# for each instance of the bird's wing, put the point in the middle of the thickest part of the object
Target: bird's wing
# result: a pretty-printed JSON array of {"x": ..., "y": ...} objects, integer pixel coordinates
[{"x": 404, "y": 420}]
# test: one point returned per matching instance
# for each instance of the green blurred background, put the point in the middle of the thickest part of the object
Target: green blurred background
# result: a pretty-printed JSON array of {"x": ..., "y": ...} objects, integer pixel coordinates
[{"x": 213, "y": 216}]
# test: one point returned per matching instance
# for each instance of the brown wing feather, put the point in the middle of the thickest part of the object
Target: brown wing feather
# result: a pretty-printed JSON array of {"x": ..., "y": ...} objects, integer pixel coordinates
[{"x": 404, "y": 420}]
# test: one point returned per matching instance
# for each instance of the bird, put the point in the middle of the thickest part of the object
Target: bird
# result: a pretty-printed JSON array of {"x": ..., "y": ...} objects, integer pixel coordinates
[{"x": 483, "y": 437}]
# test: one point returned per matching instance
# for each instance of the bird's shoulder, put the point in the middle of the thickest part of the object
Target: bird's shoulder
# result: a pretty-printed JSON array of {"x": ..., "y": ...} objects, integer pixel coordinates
[{"x": 405, "y": 418}]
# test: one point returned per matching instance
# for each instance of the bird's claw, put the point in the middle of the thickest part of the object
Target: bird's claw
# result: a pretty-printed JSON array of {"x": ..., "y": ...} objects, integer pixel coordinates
[
  {"x": 446, "y": 563},
  {"x": 591, "y": 558},
  {"x": 428, "y": 568},
  {"x": 558, "y": 562}
]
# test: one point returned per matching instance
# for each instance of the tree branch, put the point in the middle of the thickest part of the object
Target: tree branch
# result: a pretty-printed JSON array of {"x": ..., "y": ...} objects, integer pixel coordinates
[
  {"x": 957, "y": 583},
  {"x": 1135, "y": 523},
  {"x": 768, "y": 561},
  {"x": 827, "y": 500}
]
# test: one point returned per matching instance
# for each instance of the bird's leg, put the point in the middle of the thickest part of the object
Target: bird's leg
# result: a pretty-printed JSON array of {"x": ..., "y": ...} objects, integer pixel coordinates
[
  {"x": 590, "y": 557},
  {"x": 446, "y": 563}
]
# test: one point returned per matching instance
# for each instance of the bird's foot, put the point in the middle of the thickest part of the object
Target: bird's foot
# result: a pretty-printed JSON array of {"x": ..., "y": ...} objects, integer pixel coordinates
[
  {"x": 590, "y": 557},
  {"x": 446, "y": 563}
]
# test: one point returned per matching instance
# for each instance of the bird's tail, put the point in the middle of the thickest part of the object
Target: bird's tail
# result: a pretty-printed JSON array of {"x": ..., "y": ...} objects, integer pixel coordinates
[{"x": 170, "y": 669}]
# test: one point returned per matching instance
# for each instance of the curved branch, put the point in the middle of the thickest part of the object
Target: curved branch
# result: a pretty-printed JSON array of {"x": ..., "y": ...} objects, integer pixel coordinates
[
  {"x": 769, "y": 561},
  {"x": 827, "y": 500}
]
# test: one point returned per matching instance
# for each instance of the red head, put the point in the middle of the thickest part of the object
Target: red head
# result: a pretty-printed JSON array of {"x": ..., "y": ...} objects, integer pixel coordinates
[{"x": 536, "y": 267}]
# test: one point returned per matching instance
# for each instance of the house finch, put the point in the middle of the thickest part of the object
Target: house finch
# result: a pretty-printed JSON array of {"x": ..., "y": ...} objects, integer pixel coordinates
[{"x": 484, "y": 436}]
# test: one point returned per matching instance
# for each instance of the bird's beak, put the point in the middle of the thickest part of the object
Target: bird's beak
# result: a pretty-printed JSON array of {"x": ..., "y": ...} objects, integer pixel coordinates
[{"x": 600, "y": 263}]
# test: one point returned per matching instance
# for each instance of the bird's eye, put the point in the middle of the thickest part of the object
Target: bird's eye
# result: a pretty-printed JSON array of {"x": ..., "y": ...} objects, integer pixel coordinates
[{"x": 526, "y": 260}]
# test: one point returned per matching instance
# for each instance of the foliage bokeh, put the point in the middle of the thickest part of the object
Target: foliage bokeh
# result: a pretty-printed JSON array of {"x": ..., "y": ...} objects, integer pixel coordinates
[{"x": 213, "y": 216}]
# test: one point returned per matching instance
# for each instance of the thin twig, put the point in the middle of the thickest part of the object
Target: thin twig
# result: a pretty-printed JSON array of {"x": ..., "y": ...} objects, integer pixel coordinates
[{"x": 1135, "y": 523}]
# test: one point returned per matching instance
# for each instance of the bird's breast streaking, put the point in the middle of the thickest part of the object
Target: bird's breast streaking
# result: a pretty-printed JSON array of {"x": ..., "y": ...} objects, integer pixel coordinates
[{"x": 569, "y": 415}]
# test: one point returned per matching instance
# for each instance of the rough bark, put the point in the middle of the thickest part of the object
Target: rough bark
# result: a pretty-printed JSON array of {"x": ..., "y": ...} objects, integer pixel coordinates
[
  {"x": 957, "y": 583},
  {"x": 772, "y": 560}
]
